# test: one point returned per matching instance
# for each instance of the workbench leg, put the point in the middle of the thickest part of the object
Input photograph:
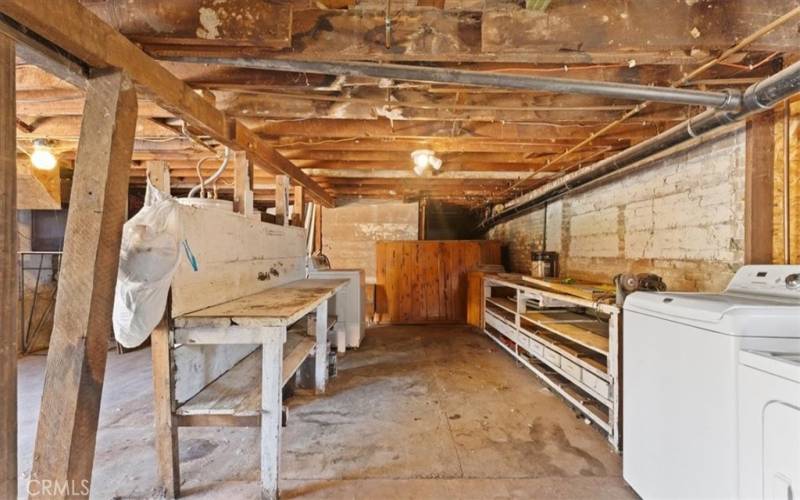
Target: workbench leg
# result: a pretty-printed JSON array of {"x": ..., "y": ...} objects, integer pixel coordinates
[
  {"x": 271, "y": 406},
  {"x": 321, "y": 353},
  {"x": 164, "y": 400}
]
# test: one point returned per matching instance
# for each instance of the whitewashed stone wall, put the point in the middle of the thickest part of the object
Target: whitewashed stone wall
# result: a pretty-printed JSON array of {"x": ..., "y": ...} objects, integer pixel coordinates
[
  {"x": 349, "y": 232},
  {"x": 682, "y": 217}
]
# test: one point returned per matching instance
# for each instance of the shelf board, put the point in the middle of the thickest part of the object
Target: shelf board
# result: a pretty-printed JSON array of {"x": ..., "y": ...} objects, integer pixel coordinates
[
  {"x": 565, "y": 388},
  {"x": 502, "y": 318},
  {"x": 528, "y": 289},
  {"x": 504, "y": 303},
  {"x": 599, "y": 368},
  {"x": 237, "y": 392},
  {"x": 301, "y": 326},
  {"x": 586, "y": 291},
  {"x": 576, "y": 332}
]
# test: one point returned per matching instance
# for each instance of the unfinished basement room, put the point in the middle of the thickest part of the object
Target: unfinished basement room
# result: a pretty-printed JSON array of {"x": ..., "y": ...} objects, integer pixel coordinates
[{"x": 400, "y": 249}]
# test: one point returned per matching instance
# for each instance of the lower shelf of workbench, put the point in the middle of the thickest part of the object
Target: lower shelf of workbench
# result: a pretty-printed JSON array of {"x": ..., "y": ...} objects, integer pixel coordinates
[{"x": 588, "y": 405}]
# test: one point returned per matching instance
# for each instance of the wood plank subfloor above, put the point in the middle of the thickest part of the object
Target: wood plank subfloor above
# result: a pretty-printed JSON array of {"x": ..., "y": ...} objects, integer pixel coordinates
[{"x": 416, "y": 412}]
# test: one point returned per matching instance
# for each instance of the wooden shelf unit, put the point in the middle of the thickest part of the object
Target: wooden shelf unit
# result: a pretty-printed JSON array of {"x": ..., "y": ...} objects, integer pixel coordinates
[{"x": 570, "y": 343}]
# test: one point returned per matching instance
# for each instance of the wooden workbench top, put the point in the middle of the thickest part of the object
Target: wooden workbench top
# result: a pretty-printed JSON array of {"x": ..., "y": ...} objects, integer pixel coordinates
[{"x": 278, "y": 306}]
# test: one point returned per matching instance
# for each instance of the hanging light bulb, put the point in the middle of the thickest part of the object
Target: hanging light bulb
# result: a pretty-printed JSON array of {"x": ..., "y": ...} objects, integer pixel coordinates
[
  {"x": 42, "y": 157},
  {"x": 419, "y": 169},
  {"x": 421, "y": 157},
  {"x": 435, "y": 162}
]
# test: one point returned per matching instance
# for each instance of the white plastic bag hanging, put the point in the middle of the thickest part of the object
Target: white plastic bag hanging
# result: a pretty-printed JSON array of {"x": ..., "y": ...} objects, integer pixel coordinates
[{"x": 149, "y": 256}]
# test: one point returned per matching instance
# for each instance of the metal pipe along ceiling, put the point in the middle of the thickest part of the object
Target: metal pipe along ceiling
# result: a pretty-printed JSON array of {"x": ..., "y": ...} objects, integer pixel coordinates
[
  {"x": 758, "y": 97},
  {"x": 729, "y": 100}
]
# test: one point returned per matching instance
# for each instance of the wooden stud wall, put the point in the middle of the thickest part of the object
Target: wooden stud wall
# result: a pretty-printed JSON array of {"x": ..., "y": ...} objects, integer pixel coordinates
[
  {"x": 781, "y": 183},
  {"x": 426, "y": 281}
]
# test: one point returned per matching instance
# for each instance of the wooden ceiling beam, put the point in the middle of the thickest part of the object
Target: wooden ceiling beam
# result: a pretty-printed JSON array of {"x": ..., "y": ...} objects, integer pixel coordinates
[
  {"x": 418, "y": 106},
  {"x": 405, "y": 156},
  {"x": 491, "y": 79},
  {"x": 615, "y": 32},
  {"x": 407, "y": 173},
  {"x": 86, "y": 37},
  {"x": 240, "y": 23},
  {"x": 320, "y": 128},
  {"x": 66, "y": 102},
  {"x": 449, "y": 166},
  {"x": 440, "y": 144},
  {"x": 67, "y": 128},
  {"x": 637, "y": 27}
]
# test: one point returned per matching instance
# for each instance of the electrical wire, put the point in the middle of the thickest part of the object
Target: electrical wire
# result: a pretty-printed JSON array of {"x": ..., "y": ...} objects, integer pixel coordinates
[{"x": 201, "y": 187}]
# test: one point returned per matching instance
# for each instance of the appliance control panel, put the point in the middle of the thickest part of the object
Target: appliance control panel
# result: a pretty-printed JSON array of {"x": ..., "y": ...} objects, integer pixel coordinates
[{"x": 773, "y": 280}]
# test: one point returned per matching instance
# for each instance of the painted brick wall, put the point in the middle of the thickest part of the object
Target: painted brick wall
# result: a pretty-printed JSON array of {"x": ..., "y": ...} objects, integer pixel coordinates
[
  {"x": 349, "y": 232},
  {"x": 520, "y": 236},
  {"x": 682, "y": 218}
]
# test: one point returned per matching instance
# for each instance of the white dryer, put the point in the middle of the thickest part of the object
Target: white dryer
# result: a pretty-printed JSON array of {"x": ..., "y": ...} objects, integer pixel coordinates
[
  {"x": 679, "y": 379},
  {"x": 769, "y": 425}
]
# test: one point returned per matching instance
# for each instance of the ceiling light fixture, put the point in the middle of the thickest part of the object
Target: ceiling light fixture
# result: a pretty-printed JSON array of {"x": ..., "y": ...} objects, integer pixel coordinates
[
  {"x": 42, "y": 157},
  {"x": 424, "y": 158}
]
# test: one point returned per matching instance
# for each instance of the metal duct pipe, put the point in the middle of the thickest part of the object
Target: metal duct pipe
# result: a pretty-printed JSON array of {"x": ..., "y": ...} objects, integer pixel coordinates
[
  {"x": 758, "y": 97},
  {"x": 729, "y": 100}
]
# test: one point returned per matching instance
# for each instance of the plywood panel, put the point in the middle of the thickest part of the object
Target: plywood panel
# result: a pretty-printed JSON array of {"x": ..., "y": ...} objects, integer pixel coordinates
[
  {"x": 426, "y": 281},
  {"x": 236, "y": 256}
]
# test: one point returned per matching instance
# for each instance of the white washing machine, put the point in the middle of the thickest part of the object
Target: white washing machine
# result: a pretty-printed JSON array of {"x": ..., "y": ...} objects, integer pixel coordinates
[
  {"x": 769, "y": 425},
  {"x": 679, "y": 379}
]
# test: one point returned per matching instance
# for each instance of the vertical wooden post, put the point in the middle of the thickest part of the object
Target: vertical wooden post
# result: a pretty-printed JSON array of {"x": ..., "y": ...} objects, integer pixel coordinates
[
  {"x": 76, "y": 361},
  {"x": 317, "y": 227},
  {"x": 271, "y": 410},
  {"x": 759, "y": 165},
  {"x": 8, "y": 272},
  {"x": 298, "y": 208},
  {"x": 282, "y": 200},
  {"x": 166, "y": 429},
  {"x": 158, "y": 173},
  {"x": 422, "y": 218},
  {"x": 321, "y": 353},
  {"x": 242, "y": 184}
]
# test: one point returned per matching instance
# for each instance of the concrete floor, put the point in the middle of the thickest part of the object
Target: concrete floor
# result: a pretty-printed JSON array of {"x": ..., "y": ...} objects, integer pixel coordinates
[{"x": 417, "y": 412}]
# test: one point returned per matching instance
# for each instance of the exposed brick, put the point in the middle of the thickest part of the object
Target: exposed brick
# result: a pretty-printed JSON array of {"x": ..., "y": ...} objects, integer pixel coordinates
[{"x": 681, "y": 217}]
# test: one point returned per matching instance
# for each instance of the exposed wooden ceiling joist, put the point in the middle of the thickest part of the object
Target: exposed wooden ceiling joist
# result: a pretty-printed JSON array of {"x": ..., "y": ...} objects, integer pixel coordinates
[
  {"x": 353, "y": 135},
  {"x": 86, "y": 37},
  {"x": 569, "y": 32},
  {"x": 429, "y": 129}
]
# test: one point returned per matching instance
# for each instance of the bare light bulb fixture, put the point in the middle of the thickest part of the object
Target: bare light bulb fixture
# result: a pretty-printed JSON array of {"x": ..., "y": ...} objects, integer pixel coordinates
[
  {"x": 42, "y": 157},
  {"x": 424, "y": 158}
]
